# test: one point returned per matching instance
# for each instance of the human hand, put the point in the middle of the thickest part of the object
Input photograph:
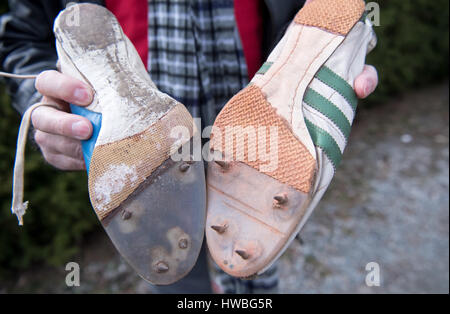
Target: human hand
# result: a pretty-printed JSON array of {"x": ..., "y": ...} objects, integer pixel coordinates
[{"x": 58, "y": 132}]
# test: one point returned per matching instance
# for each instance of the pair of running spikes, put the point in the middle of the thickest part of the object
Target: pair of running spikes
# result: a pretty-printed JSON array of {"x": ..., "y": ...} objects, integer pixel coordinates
[{"x": 276, "y": 144}]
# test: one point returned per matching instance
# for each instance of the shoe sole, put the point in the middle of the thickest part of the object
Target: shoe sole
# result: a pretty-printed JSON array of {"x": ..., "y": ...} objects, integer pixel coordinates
[{"x": 253, "y": 212}]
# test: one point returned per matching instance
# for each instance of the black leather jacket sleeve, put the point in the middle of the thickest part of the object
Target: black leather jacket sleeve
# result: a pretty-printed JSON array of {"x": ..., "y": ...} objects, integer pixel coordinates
[
  {"x": 277, "y": 15},
  {"x": 27, "y": 43},
  {"x": 26, "y": 47}
]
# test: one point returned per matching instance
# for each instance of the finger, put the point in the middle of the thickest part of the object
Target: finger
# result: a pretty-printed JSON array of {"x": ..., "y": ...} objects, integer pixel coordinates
[
  {"x": 62, "y": 105},
  {"x": 51, "y": 120},
  {"x": 59, "y": 144},
  {"x": 60, "y": 86},
  {"x": 63, "y": 162},
  {"x": 366, "y": 83}
]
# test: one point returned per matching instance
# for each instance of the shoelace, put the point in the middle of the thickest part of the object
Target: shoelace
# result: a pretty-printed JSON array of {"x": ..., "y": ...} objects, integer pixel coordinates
[{"x": 18, "y": 206}]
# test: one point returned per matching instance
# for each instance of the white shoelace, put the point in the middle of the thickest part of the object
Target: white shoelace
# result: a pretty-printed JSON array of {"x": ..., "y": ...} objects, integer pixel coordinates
[{"x": 18, "y": 206}]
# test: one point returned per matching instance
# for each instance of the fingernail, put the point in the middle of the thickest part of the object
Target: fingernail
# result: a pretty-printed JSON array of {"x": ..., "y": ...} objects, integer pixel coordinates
[
  {"x": 369, "y": 87},
  {"x": 82, "y": 95},
  {"x": 81, "y": 130}
]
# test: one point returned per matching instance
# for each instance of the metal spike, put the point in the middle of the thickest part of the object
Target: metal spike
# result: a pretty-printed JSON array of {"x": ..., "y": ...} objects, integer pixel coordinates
[
  {"x": 161, "y": 267},
  {"x": 126, "y": 215},
  {"x": 242, "y": 254},
  {"x": 219, "y": 229},
  {"x": 183, "y": 243},
  {"x": 280, "y": 199},
  {"x": 184, "y": 167}
]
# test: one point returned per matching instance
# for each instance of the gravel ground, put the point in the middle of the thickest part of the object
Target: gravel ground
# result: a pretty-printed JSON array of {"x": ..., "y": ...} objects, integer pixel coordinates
[{"x": 388, "y": 204}]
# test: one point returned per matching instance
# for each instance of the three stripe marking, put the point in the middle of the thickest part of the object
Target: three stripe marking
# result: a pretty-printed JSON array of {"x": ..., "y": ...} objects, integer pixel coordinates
[
  {"x": 312, "y": 98},
  {"x": 320, "y": 137}
]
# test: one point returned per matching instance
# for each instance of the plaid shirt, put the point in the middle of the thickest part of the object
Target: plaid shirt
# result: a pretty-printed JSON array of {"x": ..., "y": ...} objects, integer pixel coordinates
[
  {"x": 195, "y": 53},
  {"x": 196, "y": 56}
]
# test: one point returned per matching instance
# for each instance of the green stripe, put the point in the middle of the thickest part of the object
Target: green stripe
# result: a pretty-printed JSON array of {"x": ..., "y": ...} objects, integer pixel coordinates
[
  {"x": 325, "y": 141},
  {"x": 327, "y": 108},
  {"x": 364, "y": 16},
  {"x": 265, "y": 67},
  {"x": 340, "y": 85}
]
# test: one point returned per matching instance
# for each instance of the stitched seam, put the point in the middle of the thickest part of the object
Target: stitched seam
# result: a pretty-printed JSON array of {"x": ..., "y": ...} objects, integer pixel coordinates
[
  {"x": 304, "y": 74},
  {"x": 287, "y": 59},
  {"x": 336, "y": 89},
  {"x": 345, "y": 130}
]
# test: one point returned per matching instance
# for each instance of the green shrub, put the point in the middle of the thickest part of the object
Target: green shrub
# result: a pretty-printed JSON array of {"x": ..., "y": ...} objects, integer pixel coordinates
[
  {"x": 59, "y": 213},
  {"x": 412, "y": 46}
]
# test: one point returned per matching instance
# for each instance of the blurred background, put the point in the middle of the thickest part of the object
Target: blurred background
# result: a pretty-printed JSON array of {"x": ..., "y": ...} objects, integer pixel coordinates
[{"x": 389, "y": 202}]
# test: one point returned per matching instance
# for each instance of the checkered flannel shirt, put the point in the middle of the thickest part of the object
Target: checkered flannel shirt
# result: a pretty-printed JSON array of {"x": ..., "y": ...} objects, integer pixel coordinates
[{"x": 195, "y": 53}]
